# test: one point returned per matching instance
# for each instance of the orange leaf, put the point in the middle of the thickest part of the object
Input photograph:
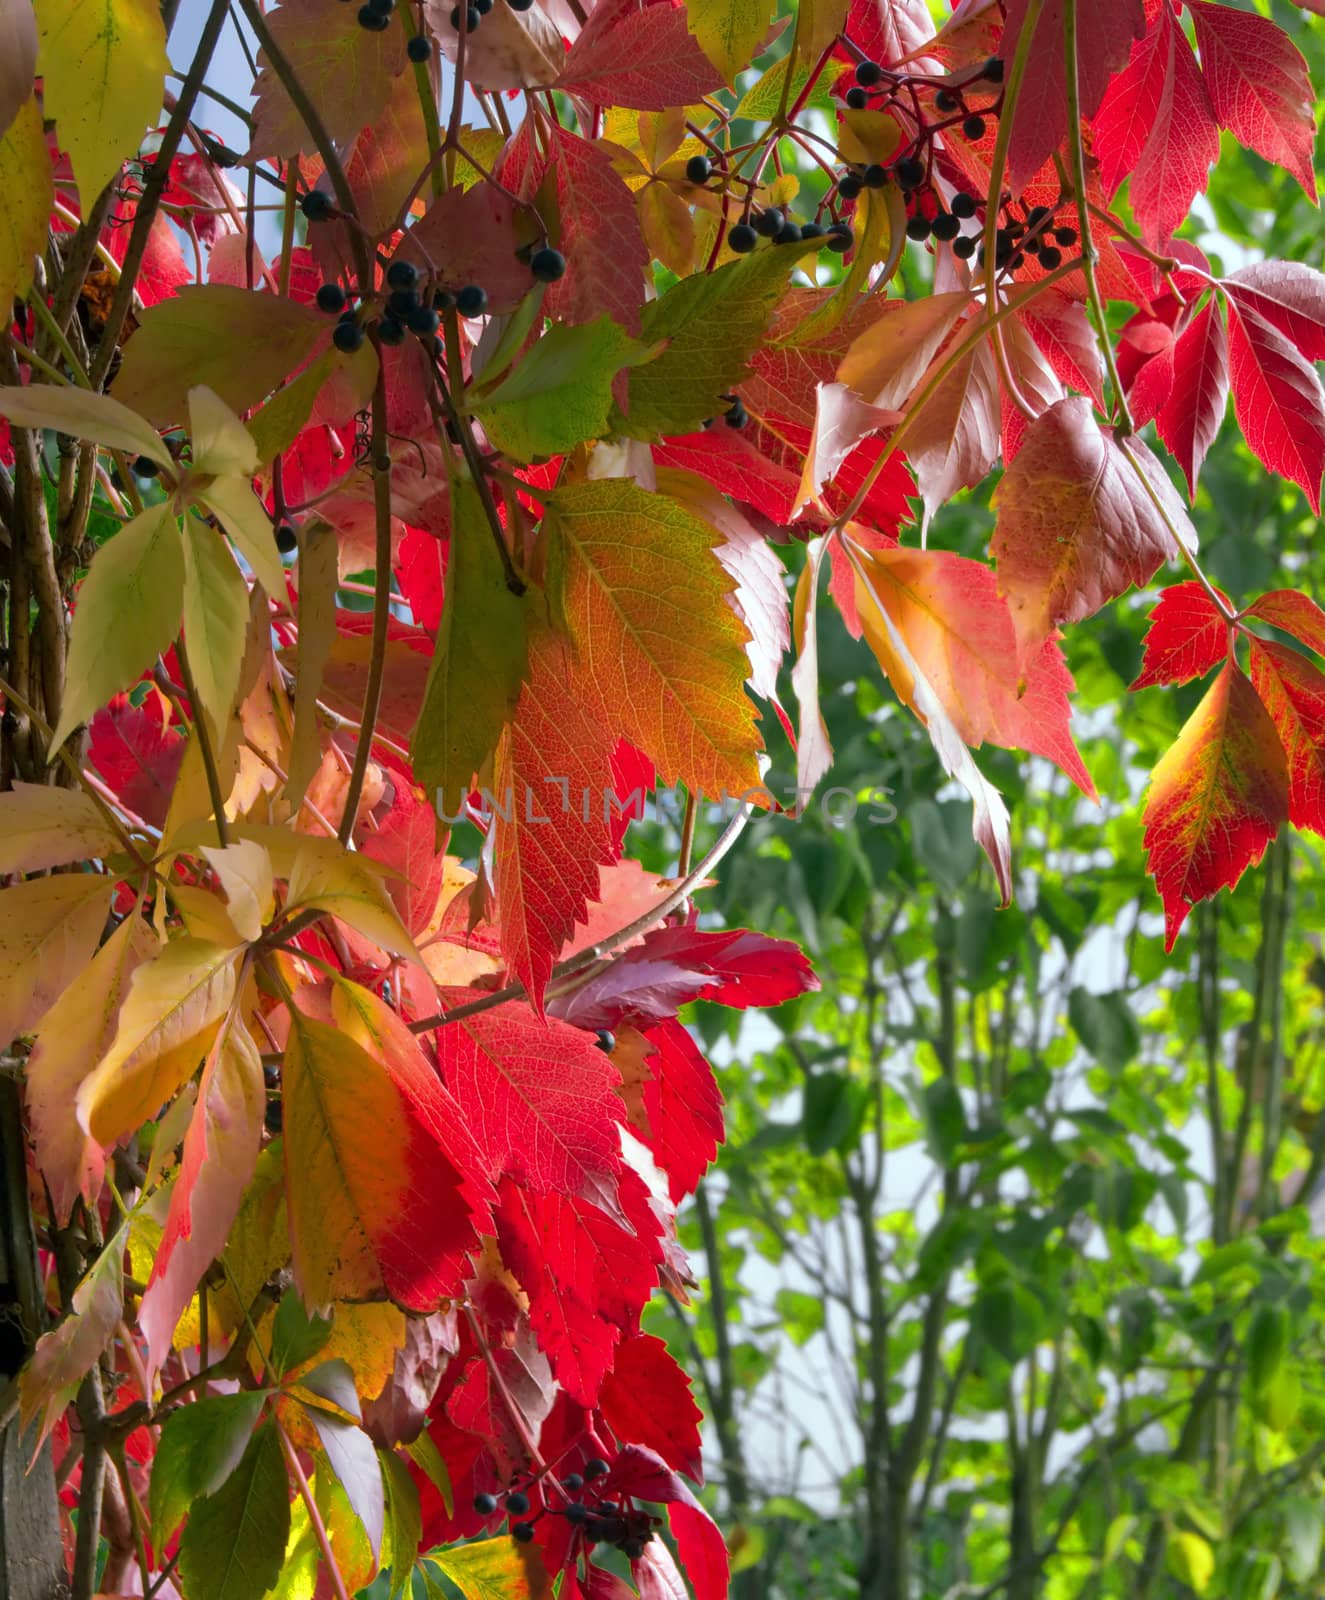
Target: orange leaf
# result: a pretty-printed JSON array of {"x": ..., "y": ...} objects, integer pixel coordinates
[
  {"x": 1216, "y": 799},
  {"x": 1292, "y": 690}
]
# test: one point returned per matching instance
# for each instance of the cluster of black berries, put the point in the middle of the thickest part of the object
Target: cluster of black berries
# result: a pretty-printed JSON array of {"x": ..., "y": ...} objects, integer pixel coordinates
[
  {"x": 774, "y": 223},
  {"x": 600, "y": 1519},
  {"x": 870, "y": 76},
  {"x": 476, "y": 10},
  {"x": 1030, "y": 235}
]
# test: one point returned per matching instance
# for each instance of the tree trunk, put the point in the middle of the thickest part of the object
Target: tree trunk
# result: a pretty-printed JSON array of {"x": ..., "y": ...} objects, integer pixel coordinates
[{"x": 32, "y": 1565}]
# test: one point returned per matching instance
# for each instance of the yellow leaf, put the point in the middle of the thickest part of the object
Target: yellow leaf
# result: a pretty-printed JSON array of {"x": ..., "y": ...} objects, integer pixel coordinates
[
  {"x": 729, "y": 32},
  {"x": 174, "y": 1005},
  {"x": 104, "y": 65},
  {"x": 259, "y": 1242},
  {"x": 45, "y": 827},
  {"x": 221, "y": 442},
  {"x": 494, "y": 1569},
  {"x": 49, "y": 928},
  {"x": 669, "y": 228},
  {"x": 75, "y": 1033},
  {"x": 350, "y": 887},
  {"x": 245, "y": 871},
  {"x": 128, "y": 613},
  {"x": 1191, "y": 1560},
  {"x": 84, "y": 415},
  {"x": 25, "y": 182},
  {"x": 364, "y": 1336},
  {"x": 241, "y": 514},
  {"x": 215, "y": 619}
]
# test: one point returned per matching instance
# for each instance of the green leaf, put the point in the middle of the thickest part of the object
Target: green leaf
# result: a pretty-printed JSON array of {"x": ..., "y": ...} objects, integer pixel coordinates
[
  {"x": 827, "y": 1112},
  {"x": 761, "y": 100},
  {"x": 404, "y": 1522},
  {"x": 83, "y": 415},
  {"x": 479, "y": 663},
  {"x": 802, "y": 1315},
  {"x": 128, "y": 614},
  {"x": 239, "y": 511},
  {"x": 285, "y": 415},
  {"x": 296, "y": 1336},
  {"x": 561, "y": 392},
  {"x": 945, "y": 1119},
  {"x": 216, "y": 611},
  {"x": 104, "y": 65},
  {"x": 1105, "y": 1025},
  {"x": 1191, "y": 1560},
  {"x": 1304, "y": 1523},
  {"x": 425, "y": 1455},
  {"x": 1267, "y": 1344},
  {"x": 238, "y": 343},
  {"x": 711, "y": 323},
  {"x": 200, "y": 1446},
  {"x": 234, "y": 1541},
  {"x": 729, "y": 32},
  {"x": 1009, "y": 1318}
]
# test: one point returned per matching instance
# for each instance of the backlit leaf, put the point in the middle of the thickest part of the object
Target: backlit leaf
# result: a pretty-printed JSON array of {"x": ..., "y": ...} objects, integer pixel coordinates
[
  {"x": 49, "y": 928},
  {"x": 25, "y": 179},
  {"x": 1292, "y": 690},
  {"x": 138, "y": 573},
  {"x": 1188, "y": 635},
  {"x": 234, "y": 1540},
  {"x": 494, "y": 1569},
  {"x": 730, "y": 32},
  {"x": 200, "y": 1446},
  {"x": 41, "y": 826},
  {"x": 1279, "y": 401},
  {"x": 216, "y": 612}
]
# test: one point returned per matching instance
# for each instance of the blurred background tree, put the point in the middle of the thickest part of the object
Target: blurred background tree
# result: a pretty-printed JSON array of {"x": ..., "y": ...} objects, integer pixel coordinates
[{"x": 1012, "y": 1277}]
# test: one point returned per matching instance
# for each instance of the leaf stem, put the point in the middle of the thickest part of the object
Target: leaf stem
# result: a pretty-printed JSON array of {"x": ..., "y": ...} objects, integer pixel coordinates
[
  {"x": 204, "y": 742},
  {"x": 1089, "y": 254},
  {"x": 314, "y": 1515}
]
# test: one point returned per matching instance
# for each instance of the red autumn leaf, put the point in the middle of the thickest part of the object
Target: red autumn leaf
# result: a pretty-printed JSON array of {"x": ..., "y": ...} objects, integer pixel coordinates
[
  {"x": 1144, "y": 356},
  {"x": 953, "y": 439},
  {"x": 406, "y": 841},
  {"x": 552, "y": 777},
  {"x": 1279, "y": 401},
  {"x": 683, "y": 1105},
  {"x": 728, "y": 461},
  {"x": 600, "y": 235},
  {"x": 539, "y": 1098},
  {"x": 420, "y": 570},
  {"x": 1287, "y": 294},
  {"x": 640, "y": 1472},
  {"x": 138, "y": 754},
  {"x": 1062, "y": 330},
  {"x": 219, "y": 1155},
  {"x": 1295, "y": 613},
  {"x": 1259, "y": 86},
  {"x": 587, "y": 1276},
  {"x": 1293, "y": 692},
  {"x": 1105, "y": 31},
  {"x": 646, "y": 1400},
  {"x": 1188, "y": 635},
  {"x": 1216, "y": 798},
  {"x": 1193, "y": 409},
  {"x": 645, "y": 58},
  {"x": 1156, "y": 123},
  {"x": 470, "y": 236},
  {"x": 888, "y": 30},
  {"x": 1077, "y": 525}
]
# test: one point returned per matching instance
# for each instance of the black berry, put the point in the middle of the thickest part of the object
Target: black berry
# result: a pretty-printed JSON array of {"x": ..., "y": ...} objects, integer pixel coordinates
[
  {"x": 946, "y": 226},
  {"x": 874, "y": 176},
  {"x": 974, "y": 128},
  {"x": 770, "y": 222},
  {"x": 547, "y": 265},
  {"x": 698, "y": 169},
  {"x": 572, "y": 1481},
  {"x": 522, "y": 1532},
  {"x": 1050, "y": 257},
  {"x": 1037, "y": 216},
  {"x": 742, "y": 238},
  {"x": 316, "y": 205},
  {"x": 402, "y": 275},
  {"x": 910, "y": 172},
  {"x": 868, "y": 73},
  {"x": 286, "y": 539},
  {"x": 375, "y": 21},
  {"x": 1065, "y": 236},
  {"x": 849, "y": 185},
  {"x": 485, "y": 1504},
  {"x": 330, "y": 298},
  {"x": 516, "y": 1503},
  {"x": 423, "y": 321},
  {"x": 389, "y": 331},
  {"x": 272, "y": 1116},
  {"x": 840, "y": 238},
  {"x": 963, "y": 205},
  {"x": 419, "y": 48},
  {"x": 145, "y": 467},
  {"x": 605, "y": 1040},
  {"x": 403, "y": 303},
  {"x": 576, "y": 1513},
  {"x": 811, "y": 230},
  {"x": 788, "y": 233},
  {"x": 737, "y": 416},
  {"x": 519, "y": 5},
  {"x": 963, "y": 248},
  {"x": 945, "y": 100},
  {"x": 918, "y": 227},
  {"x": 471, "y": 18},
  {"x": 857, "y": 98},
  {"x": 347, "y": 336},
  {"x": 993, "y": 70},
  {"x": 595, "y": 1468},
  {"x": 472, "y": 301},
  {"x": 443, "y": 300},
  {"x": 483, "y": 7}
]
